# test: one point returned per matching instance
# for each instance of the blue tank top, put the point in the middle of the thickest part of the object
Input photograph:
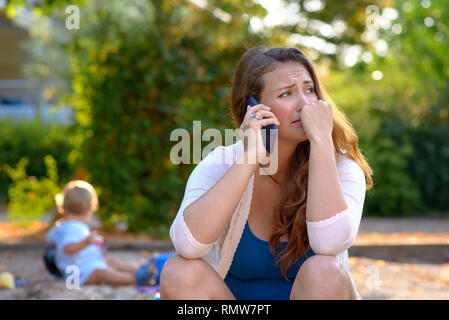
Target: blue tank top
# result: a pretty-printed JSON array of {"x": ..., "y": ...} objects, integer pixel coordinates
[{"x": 254, "y": 275}]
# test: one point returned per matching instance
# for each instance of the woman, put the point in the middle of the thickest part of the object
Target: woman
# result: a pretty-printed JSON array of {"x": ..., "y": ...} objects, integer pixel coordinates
[{"x": 247, "y": 233}]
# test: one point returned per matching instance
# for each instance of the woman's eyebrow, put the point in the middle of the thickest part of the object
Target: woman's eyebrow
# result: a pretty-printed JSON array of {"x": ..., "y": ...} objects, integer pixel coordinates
[
  {"x": 286, "y": 87},
  {"x": 291, "y": 85}
]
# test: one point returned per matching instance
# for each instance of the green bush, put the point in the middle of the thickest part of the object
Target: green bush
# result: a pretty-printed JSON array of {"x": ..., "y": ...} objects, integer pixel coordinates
[
  {"x": 29, "y": 197},
  {"x": 410, "y": 166},
  {"x": 33, "y": 140},
  {"x": 139, "y": 69},
  {"x": 395, "y": 192},
  {"x": 148, "y": 68},
  {"x": 382, "y": 122},
  {"x": 429, "y": 164}
]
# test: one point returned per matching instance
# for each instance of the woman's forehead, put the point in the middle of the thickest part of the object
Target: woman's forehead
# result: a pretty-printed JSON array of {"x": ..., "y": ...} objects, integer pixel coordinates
[{"x": 288, "y": 72}]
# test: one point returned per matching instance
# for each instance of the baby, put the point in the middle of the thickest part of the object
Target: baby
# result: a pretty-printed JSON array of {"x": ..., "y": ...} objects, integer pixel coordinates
[{"x": 76, "y": 245}]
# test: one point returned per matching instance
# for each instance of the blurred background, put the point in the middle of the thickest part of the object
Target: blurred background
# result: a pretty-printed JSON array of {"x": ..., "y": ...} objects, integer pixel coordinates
[{"x": 96, "y": 98}]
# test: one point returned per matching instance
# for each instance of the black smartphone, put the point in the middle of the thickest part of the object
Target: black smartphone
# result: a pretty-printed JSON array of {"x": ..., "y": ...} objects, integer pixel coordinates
[{"x": 269, "y": 132}]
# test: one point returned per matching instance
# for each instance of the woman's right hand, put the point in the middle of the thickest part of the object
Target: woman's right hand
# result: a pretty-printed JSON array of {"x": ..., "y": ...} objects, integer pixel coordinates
[{"x": 250, "y": 130}]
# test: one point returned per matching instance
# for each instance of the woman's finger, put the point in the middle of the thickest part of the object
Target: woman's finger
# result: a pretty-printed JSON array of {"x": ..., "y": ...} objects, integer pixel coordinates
[
  {"x": 256, "y": 108},
  {"x": 266, "y": 122},
  {"x": 258, "y": 112},
  {"x": 265, "y": 114}
]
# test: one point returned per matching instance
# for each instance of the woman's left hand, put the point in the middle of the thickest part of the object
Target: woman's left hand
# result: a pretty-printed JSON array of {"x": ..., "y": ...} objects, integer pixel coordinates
[{"x": 317, "y": 121}]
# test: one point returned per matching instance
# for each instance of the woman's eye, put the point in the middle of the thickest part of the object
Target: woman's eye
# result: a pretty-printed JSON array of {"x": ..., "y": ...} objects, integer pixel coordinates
[
  {"x": 310, "y": 90},
  {"x": 284, "y": 94}
]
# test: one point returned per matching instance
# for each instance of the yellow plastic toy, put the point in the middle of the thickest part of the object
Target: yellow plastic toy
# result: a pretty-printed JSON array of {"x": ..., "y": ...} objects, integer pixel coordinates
[{"x": 7, "y": 280}]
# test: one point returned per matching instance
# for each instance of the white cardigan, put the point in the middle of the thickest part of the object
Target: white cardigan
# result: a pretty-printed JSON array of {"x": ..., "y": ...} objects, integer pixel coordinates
[{"x": 332, "y": 236}]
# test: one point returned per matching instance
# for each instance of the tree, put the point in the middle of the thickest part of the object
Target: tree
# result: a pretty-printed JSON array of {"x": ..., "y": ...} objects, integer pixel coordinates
[
  {"x": 138, "y": 70},
  {"x": 399, "y": 105}
]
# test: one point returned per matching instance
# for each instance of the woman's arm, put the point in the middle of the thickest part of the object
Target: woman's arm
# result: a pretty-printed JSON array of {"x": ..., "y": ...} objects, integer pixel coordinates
[
  {"x": 324, "y": 196},
  {"x": 332, "y": 230},
  {"x": 208, "y": 215},
  {"x": 335, "y": 192},
  {"x": 212, "y": 193}
]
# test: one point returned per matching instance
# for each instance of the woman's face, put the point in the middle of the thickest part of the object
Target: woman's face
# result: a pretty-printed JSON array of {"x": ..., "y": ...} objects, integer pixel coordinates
[{"x": 286, "y": 90}]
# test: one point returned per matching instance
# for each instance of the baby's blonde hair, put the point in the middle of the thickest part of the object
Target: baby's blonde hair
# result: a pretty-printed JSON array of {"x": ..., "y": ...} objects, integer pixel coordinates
[{"x": 77, "y": 197}]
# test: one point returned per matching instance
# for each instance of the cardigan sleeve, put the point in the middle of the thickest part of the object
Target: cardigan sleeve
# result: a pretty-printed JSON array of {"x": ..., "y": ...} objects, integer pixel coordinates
[
  {"x": 337, "y": 233},
  {"x": 202, "y": 178}
]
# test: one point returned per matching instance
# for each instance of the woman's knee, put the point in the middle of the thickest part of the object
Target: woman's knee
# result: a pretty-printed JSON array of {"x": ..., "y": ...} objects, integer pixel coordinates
[
  {"x": 180, "y": 273},
  {"x": 324, "y": 275}
]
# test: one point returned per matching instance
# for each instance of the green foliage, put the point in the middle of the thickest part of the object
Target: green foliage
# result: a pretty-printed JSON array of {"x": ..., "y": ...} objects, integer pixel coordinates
[
  {"x": 29, "y": 197},
  {"x": 395, "y": 192},
  {"x": 416, "y": 89},
  {"x": 148, "y": 68},
  {"x": 429, "y": 164},
  {"x": 34, "y": 140},
  {"x": 136, "y": 70},
  {"x": 402, "y": 119}
]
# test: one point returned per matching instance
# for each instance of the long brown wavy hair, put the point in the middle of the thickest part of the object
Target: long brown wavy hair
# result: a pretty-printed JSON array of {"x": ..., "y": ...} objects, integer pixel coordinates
[{"x": 290, "y": 213}]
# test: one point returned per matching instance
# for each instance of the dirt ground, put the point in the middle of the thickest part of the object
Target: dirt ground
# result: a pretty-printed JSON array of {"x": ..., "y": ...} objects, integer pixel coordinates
[
  {"x": 375, "y": 279},
  {"x": 28, "y": 266},
  {"x": 383, "y": 280}
]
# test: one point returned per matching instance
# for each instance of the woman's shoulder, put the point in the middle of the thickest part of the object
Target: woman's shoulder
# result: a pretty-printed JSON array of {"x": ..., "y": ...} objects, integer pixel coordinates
[
  {"x": 224, "y": 155},
  {"x": 217, "y": 162}
]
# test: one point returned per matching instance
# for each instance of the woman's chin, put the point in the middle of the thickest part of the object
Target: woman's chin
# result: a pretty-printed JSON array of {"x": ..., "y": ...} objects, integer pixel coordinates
[
  {"x": 296, "y": 138},
  {"x": 298, "y": 134}
]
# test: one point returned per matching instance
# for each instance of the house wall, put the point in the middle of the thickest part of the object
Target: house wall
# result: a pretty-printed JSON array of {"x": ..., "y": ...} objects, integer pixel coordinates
[{"x": 12, "y": 56}]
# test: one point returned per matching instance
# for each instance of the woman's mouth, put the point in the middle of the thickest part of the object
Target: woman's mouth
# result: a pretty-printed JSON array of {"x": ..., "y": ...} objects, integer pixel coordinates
[{"x": 297, "y": 121}]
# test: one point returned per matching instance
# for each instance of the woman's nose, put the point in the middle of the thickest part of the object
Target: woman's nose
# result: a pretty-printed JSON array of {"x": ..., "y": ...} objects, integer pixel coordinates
[{"x": 302, "y": 101}]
